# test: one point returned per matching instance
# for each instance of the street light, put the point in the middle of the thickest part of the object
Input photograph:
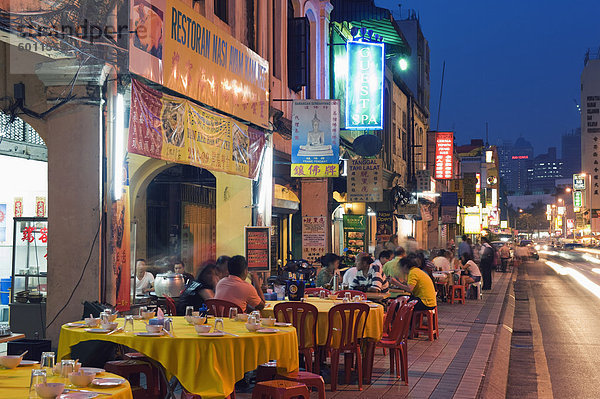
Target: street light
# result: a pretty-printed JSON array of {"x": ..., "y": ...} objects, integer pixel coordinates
[{"x": 403, "y": 64}]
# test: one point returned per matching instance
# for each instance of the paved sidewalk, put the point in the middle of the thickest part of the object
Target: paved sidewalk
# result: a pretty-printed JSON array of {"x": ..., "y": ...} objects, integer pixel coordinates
[{"x": 452, "y": 366}]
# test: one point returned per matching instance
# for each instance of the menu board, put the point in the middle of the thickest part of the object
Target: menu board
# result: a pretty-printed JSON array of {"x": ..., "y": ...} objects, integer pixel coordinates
[
  {"x": 354, "y": 233},
  {"x": 314, "y": 237},
  {"x": 258, "y": 248},
  {"x": 364, "y": 180}
]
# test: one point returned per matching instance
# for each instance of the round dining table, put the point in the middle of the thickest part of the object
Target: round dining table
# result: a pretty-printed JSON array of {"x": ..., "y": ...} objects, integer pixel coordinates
[
  {"x": 14, "y": 384},
  {"x": 373, "y": 326},
  {"x": 204, "y": 365}
]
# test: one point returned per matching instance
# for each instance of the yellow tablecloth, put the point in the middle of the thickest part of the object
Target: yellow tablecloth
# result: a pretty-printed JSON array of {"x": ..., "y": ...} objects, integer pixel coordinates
[
  {"x": 207, "y": 366},
  {"x": 14, "y": 384},
  {"x": 373, "y": 327}
]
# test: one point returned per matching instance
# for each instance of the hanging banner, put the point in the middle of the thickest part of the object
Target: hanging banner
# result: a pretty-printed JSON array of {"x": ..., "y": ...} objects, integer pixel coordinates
[
  {"x": 364, "y": 180},
  {"x": 426, "y": 211},
  {"x": 449, "y": 214},
  {"x": 423, "y": 180},
  {"x": 444, "y": 152},
  {"x": 385, "y": 225},
  {"x": 314, "y": 237},
  {"x": 40, "y": 207},
  {"x": 364, "y": 85},
  {"x": 176, "y": 130},
  {"x": 121, "y": 250},
  {"x": 2, "y": 222},
  {"x": 315, "y": 138},
  {"x": 175, "y": 46},
  {"x": 470, "y": 189},
  {"x": 258, "y": 248},
  {"x": 18, "y": 211}
]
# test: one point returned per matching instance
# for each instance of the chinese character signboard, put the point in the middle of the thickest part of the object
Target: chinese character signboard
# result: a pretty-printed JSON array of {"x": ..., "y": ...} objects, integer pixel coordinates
[
  {"x": 423, "y": 180},
  {"x": 364, "y": 180},
  {"x": 40, "y": 206},
  {"x": 315, "y": 138},
  {"x": 578, "y": 182},
  {"x": 364, "y": 86},
  {"x": 18, "y": 211},
  {"x": 2, "y": 222},
  {"x": 444, "y": 148},
  {"x": 168, "y": 128},
  {"x": 470, "y": 189},
  {"x": 173, "y": 45},
  {"x": 354, "y": 233},
  {"x": 577, "y": 199},
  {"x": 258, "y": 248},
  {"x": 314, "y": 237}
]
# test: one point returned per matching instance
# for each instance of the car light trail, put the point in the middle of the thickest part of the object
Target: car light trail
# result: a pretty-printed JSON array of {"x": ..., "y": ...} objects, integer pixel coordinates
[
  {"x": 589, "y": 250},
  {"x": 590, "y": 258},
  {"x": 577, "y": 276}
]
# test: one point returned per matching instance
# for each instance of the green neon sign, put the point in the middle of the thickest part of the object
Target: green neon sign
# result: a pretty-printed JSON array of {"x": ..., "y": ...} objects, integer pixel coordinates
[
  {"x": 577, "y": 199},
  {"x": 364, "y": 85}
]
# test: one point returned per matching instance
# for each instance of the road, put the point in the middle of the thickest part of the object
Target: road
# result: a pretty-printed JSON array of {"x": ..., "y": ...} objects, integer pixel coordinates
[{"x": 558, "y": 347}]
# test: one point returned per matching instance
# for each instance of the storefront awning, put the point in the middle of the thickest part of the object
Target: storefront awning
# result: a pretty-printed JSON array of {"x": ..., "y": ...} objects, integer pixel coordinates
[{"x": 284, "y": 200}]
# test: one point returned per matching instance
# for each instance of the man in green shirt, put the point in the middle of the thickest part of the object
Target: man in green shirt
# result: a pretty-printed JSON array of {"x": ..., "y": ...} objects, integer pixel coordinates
[{"x": 391, "y": 269}]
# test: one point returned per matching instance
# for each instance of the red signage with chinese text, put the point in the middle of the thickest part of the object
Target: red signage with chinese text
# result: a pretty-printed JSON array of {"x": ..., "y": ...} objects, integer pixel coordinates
[
  {"x": 444, "y": 149},
  {"x": 258, "y": 248}
]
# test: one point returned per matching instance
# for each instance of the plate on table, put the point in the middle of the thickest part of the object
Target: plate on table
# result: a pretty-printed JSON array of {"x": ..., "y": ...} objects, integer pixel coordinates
[
  {"x": 373, "y": 305},
  {"x": 212, "y": 334},
  {"x": 149, "y": 334},
  {"x": 28, "y": 363},
  {"x": 76, "y": 325},
  {"x": 92, "y": 370},
  {"x": 280, "y": 324},
  {"x": 267, "y": 330},
  {"x": 107, "y": 382},
  {"x": 78, "y": 395},
  {"x": 97, "y": 330},
  {"x": 137, "y": 317}
]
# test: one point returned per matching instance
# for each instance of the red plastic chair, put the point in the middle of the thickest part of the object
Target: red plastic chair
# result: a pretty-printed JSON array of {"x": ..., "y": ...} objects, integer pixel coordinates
[
  {"x": 430, "y": 327},
  {"x": 352, "y": 318},
  {"x": 316, "y": 291},
  {"x": 280, "y": 389},
  {"x": 341, "y": 293},
  {"x": 220, "y": 307},
  {"x": 396, "y": 340},
  {"x": 303, "y": 316},
  {"x": 132, "y": 370}
]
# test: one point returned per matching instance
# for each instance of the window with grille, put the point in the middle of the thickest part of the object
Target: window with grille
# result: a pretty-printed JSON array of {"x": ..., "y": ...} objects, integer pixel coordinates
[{"x": 18, "y": 130}]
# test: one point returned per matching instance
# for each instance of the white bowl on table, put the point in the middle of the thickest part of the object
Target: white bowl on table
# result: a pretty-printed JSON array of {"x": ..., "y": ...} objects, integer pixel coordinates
[
  {"x": 269, "y": 322},
  {"x": 252, "y": 327},
  {"x": 242, "y": 317},
  {"x": 109, "y": 326},
  {"x": 57, "y": 368},
  {"x": 154, "y": 329},
  {"x": 10, "y": 361},
  {"x": 147, "y": 315},
  {"x": 198, "y": 320},
  {"x": 49, "y": 390},
  {"x": 202, "y": 328},
  {"x": 81, "y": 379},
  {"x": 92, "y": 322}
]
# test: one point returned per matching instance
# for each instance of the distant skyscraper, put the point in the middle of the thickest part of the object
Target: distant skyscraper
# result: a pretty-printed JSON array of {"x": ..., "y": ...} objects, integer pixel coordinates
[
  {"x": 571, "y": 152},
  {"x": 546, "y": 169},
  {"x": 516, "y": 162}
]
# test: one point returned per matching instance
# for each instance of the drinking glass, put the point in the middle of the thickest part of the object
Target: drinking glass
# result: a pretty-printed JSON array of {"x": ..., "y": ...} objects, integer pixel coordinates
[
  {"x": 322, "y": 294},
  {"x": 189, "y": 310},
  {"x": 218, "y": 324},
  {"x": 66, "y": 368},
  {"x": 357, "y": 298},
  {"x": 348, "y": 296},
  {"x": 47, "y": 361},
  {"x": 128, "y": 327},
  {"x": 38, "y": 376},
  {"x": 104, "y": 318},
  {"x": 142, "y": 310},
  {"x": 233, "y": 313}
]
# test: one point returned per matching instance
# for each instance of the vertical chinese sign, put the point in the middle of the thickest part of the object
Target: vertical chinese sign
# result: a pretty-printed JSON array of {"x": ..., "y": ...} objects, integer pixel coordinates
[
  {"x": 258, "y": 248},
  {"x": 364, "y": 85},
  {"x": 40, "y": 207},
  {"x": 18, "y": 210},
  {"x": 314, "y": 237},
  {"x": 2, "y": 222},
  {"x": 444, "y": 148},
  {"x": 315, "y": 138},
  {"x": 121, "y": 250},
  {"x": 364, "y": 180}
]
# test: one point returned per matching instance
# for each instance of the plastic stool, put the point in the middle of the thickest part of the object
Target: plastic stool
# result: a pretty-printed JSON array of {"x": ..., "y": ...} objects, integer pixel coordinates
[
  {"x": 478, "y": 294},
  {"x": 461, "y": 293},
  {"x": 311, "y": 380},
  {"x": 266, "y": 371},
  {"x": 431, "y": 328},
  {"x": 280, "y": 389},
  {"x": 131, "y": 370}
]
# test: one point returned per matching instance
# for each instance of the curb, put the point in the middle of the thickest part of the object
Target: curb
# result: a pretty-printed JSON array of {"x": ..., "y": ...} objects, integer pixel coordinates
[{"x": 496, "y": 372}]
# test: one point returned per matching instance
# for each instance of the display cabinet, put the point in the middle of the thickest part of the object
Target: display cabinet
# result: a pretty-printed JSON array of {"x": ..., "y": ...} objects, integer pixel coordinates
[{"x": 29, "y": 260}]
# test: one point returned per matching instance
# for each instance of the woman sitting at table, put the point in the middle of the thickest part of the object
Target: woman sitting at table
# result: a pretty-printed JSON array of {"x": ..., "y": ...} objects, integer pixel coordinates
[
  {"x": 199, "y": 290},
  {"x": 330, "y": 263},
  {"x": 471, "y": 273},
  {"x": 418, "y": 283}
]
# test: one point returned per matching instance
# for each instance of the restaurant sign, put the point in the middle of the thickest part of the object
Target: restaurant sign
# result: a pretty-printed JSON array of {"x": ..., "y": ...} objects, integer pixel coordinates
[
  {"x": 444, "y": 144},
  {"x": 577, "y": 199},
  {"x": 315, "y": 138},
  {"x": 578, "y": 182},
  {"x": 364, "y": 85},
  {"x": 314, "y": 237},
  {"x": 258, "y": 248},
  {"x": 172, "y": 129},
  {"x": 174, "y": 46},
  {"x": 364, "y": 180}
]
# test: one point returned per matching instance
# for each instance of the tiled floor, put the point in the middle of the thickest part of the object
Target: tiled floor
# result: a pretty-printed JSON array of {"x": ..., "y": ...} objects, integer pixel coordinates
[{"x": 452, "y": 366}]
